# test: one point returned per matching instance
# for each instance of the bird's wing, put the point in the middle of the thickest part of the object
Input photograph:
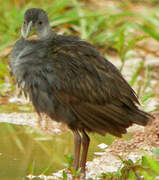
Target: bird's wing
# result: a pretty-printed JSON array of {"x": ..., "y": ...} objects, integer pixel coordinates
[{"x": 84, "y": 75}]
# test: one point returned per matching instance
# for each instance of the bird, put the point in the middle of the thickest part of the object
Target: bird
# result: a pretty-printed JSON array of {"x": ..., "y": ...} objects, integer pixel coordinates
[{"x": 70, "y": 81}]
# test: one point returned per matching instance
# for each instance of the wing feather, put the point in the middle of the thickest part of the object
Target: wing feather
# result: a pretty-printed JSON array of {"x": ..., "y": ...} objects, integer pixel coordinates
[{"x": 85, "y": 74}]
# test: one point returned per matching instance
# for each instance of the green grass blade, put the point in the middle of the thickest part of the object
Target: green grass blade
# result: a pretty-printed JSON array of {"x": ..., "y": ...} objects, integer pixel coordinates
[{"x": 135, "y": 75}]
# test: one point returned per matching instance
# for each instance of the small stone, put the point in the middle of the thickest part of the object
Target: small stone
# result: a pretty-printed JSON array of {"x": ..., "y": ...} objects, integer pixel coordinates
[
  {"x": 102, "y": 146},
  {"x": 99, "y": 153}
]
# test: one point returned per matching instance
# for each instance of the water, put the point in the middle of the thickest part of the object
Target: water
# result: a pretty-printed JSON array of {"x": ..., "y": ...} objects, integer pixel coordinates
[{"x": 25, "y": 151}]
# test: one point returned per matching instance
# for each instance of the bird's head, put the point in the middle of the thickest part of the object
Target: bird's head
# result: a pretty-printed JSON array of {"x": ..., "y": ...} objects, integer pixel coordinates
[{"x": 36, "y": 22}]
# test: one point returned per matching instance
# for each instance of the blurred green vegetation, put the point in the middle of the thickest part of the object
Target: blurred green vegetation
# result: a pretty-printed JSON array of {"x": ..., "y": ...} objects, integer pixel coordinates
[
  {"x": 145, "y": 168},
  {"x": 120, "y": 28},
  {"x": 116, "y": 28}
]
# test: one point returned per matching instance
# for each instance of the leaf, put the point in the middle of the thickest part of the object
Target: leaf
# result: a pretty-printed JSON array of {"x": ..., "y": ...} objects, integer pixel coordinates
[
  {"x": 149, "y": 31},
  {"x": 32, "y": 167},
  {"x": 153, "y": 164},
  {"x": 156, "y": 151},
  {"x": 69, "y": 159},
  {"x": 64, "y": 175},
  {"x": 78, "y": 171}
]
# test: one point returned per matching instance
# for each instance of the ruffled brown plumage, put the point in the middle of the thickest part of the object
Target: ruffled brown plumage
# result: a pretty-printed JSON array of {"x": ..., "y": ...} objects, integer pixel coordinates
[{"x": 69, "y": 80}]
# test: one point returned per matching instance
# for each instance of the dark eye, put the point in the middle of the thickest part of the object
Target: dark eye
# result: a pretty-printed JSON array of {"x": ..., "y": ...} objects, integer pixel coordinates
[
  {"x": 25, "y": 22},
  {"x": 40, "y": 22}
]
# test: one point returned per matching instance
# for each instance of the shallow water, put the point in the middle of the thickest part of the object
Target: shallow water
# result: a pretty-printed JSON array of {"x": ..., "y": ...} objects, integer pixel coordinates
[{"x": 24, "y": 151}]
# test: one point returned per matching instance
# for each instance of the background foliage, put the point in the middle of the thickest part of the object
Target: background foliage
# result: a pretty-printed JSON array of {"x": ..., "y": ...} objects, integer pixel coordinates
[{"x": 124, "y": 29}]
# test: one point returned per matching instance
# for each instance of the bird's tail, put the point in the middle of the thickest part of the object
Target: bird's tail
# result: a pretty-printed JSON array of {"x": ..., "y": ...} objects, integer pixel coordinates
[{"x": 140, "y": 117}]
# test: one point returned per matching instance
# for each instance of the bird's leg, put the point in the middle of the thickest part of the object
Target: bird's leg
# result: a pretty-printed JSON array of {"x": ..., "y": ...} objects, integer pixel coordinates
[
  {"x": 77, "y": 140},
  {"x": 85, "y": 145},
  {"x": 39, "y": 120}
]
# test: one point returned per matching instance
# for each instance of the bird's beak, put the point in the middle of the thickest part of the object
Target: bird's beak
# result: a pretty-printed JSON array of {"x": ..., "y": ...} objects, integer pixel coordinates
[{"x": 30, "y": 30}]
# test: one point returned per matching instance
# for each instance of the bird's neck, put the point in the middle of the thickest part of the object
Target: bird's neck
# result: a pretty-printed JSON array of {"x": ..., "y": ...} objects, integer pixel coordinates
[{"x": 48, "y": 35}]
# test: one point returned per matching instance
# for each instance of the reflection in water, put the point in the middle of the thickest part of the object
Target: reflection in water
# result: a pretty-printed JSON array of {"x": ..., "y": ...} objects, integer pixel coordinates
[{"x": 25, "y": 151}]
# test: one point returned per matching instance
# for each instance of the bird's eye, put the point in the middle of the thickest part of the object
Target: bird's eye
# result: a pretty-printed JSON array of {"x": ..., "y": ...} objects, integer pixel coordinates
[
  {"x": 40, "y": 22},
  {"x": 25, "y": 22}
]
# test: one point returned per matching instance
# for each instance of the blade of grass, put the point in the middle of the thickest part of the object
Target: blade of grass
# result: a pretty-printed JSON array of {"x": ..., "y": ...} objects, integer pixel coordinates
[
  {"x": 135, "y": 75},
  {"x": 83, "y": 23},
  {"x": 148, "y": 79},
  {"x": 95, "y": 26},
  {"x": 15, "y": 138},
  {"x": 149, "y": 31}
]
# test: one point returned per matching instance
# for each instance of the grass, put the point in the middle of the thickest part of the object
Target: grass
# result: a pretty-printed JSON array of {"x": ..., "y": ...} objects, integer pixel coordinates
[
  {"x": 146, "y": 167},
  {"x": 119, "y": 30}
]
